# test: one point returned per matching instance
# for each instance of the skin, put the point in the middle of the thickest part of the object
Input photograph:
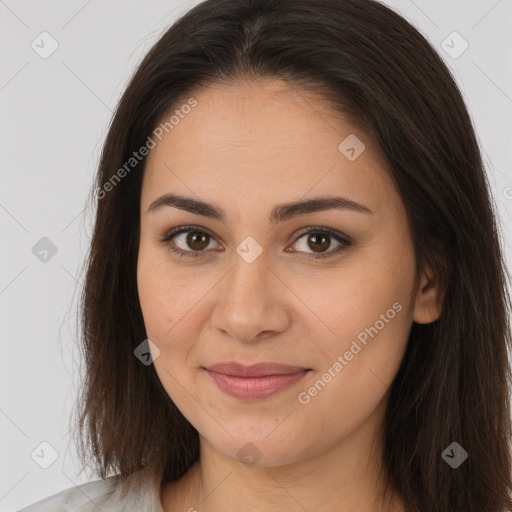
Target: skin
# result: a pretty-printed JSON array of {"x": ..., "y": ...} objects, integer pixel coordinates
[{"x": 247, "y": 148}]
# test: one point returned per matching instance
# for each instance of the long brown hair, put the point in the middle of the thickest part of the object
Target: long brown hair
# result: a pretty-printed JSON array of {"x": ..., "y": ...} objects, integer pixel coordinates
[{"x": 381, "y": 74}]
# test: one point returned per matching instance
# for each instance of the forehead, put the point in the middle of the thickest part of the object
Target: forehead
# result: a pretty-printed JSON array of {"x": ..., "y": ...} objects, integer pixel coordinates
[{"x": 262, "y": 140}]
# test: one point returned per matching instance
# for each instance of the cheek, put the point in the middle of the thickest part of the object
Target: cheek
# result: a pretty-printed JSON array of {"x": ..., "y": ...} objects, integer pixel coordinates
[
  {"x": 174, "y": 307},
  {"x": 156, "y": 301},
  {"x": 164, "y": 296},
  {"x": 358, "y": 364},
  {"x": 366, "y": 318},
  {"x": 360, "y": 297},
  {"x": 164, "y": 303}
]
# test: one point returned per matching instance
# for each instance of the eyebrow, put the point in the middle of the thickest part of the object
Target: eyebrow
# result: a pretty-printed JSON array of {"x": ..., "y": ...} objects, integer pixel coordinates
[{"x": 279, "y": 213}]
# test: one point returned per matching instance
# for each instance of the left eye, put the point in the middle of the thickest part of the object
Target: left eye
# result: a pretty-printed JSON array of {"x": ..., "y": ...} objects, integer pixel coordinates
[{"x": 317, "y": 239}]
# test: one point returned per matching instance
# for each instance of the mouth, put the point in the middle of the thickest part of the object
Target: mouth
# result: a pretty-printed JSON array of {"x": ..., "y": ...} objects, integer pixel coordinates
[{"x": 257, "y": 381}]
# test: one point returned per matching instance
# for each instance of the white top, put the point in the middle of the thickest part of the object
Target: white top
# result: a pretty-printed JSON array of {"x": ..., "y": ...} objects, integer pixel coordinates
[{"x": 99, "y": 495}]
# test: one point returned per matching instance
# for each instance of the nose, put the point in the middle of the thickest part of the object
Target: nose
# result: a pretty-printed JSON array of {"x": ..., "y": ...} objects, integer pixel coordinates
[{"x": 252, "y": 302}]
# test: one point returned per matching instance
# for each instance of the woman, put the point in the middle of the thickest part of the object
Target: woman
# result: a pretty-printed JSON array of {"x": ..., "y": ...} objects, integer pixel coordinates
[{"x": 295, "y": 296}]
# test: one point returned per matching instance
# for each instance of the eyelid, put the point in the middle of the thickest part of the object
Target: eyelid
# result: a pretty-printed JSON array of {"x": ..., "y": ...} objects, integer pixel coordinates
[
  {"x": 323, "y": 229},
  {"x": 178, "y": 230},
  {"x": 341, "y": 238}
]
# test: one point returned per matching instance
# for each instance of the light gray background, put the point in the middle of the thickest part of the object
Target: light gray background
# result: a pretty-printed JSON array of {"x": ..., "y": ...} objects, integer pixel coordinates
[{"x": 54, "y": 117}]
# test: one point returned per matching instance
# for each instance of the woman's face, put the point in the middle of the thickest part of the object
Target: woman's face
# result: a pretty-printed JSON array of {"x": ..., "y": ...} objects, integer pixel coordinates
[{"x": 247, "y": 287}]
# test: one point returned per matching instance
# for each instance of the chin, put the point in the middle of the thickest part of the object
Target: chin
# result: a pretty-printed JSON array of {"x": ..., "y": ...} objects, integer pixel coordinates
[{"x": 261, "y": 450}]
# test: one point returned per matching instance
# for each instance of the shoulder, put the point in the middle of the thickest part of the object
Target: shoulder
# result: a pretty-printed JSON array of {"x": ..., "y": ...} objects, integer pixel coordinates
[
  {"x": 79, "y": 498},
  {"x": 104, "y": 495}
]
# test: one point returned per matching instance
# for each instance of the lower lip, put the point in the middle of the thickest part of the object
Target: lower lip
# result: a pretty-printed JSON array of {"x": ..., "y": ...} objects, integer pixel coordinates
[{"x": 250, "y": 388}]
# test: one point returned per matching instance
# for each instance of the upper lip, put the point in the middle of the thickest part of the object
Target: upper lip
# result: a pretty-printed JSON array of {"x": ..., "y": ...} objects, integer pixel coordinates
[{"x": 254, "y": 370}]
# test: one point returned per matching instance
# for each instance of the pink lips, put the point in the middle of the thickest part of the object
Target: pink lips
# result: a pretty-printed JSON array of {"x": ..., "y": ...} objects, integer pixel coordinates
[{"x": 256, "y": 381}]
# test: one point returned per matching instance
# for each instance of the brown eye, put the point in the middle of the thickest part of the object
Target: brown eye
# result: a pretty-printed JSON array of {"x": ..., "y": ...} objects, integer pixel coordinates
[
  {"x": 190, "y": 242},
  {"x": 197, "y": 240},
  {"x": 319, "y": 241}
]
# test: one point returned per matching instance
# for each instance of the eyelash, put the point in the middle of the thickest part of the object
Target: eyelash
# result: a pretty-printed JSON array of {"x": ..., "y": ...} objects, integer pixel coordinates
[{"x": 344, "y": 241}]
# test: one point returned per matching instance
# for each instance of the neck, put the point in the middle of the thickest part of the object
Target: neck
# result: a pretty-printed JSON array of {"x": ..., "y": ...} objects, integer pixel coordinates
[{"x": 345, "y": 477}]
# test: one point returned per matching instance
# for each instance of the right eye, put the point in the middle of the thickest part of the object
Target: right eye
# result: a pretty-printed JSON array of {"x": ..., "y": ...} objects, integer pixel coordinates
[{"x": 193, "y": 241}]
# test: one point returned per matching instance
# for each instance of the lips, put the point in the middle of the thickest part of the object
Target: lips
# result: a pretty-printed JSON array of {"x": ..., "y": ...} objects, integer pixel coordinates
[
  {"x": 254, "y": 382},
  {"x": 254, "y": 370}
]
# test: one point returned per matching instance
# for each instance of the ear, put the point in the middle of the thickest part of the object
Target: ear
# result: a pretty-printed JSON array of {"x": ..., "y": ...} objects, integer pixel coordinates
[{"x": 429, "y": 299}]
